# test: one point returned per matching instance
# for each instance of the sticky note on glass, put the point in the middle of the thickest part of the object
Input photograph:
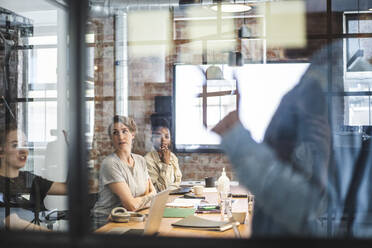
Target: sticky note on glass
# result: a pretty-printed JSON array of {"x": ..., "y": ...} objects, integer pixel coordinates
[
  {"x": 146, "y": 28},
  {"x": 286, "y": 24},
  {"x": 202, "y": 24}
]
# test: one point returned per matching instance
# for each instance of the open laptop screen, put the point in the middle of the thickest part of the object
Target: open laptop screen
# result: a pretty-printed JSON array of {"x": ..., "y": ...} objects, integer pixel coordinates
[
  {"x": 153, "y": 220},
  {"x": 156, "y": 212}
]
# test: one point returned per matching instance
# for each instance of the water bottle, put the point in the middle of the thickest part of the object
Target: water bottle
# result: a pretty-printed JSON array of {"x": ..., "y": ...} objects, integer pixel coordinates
[{"x": 223, "y": 188}]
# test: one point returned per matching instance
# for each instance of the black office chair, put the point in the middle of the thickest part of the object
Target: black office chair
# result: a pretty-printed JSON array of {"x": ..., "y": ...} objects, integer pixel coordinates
[{"x": 64, "y": 214}]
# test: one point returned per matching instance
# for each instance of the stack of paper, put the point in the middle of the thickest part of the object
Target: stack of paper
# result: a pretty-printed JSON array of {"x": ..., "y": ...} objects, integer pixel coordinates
[
  {"x": 184, "y": 203},
  {"x": 210, "y": 190}
]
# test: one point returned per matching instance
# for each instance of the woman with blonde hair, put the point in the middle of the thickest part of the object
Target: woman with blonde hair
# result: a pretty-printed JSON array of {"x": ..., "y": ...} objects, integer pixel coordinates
[{"x": 123, "y": 178}]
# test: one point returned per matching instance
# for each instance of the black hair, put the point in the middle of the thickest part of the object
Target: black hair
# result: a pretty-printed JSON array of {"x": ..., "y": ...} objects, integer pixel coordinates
[
  {"x": 5, "y": 131},
  {"x": 158, "y": 123},
  {"x": 4, "y": 134}
]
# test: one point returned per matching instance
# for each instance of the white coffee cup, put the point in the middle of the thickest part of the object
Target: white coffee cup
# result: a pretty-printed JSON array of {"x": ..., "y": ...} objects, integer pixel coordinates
[{"x": 198, "y": 189}]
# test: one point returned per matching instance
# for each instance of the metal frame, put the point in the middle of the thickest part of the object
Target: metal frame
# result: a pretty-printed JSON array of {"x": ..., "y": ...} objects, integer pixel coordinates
[
  {"x": 78, "y": 171},
  {"x": 78, "y": 235}
]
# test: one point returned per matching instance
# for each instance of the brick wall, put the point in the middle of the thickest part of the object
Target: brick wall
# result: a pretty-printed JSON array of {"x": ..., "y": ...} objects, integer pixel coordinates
[
  {"x": 104, "y": 86},
  {"x": 194, "y": 166},
  {"x": 142, "y": 92},
  {"x": 144, "y": 85}
]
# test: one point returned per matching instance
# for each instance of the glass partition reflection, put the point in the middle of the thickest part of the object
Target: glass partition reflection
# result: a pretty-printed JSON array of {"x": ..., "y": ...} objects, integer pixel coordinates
[
  {"x": 162, "y": 75},
  {"x": 34, "y": 119}
]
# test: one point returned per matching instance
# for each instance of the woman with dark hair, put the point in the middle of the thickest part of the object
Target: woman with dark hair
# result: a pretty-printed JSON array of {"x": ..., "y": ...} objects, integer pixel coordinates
[
  {"x": 162, "y": 164},
  {"x": 123, "y": 178},
  {"x": 21, "y": 192}
]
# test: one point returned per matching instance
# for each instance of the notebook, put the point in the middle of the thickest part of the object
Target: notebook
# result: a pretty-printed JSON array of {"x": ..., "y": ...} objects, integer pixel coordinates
[
  {"x": 193, "y": 196},
  {"x": 178, "y": 212},
  {"x": 184, "y": 203},
  {"x": 180, "y": 191},
  {"x": 196, "y": 222},
  {"x": 153, "y": 220}
]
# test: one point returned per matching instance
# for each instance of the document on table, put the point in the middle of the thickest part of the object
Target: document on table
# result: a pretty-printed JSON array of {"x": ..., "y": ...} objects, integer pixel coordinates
[
  {"x": 210, "y": 190},
  {"x": 184, "y": 203},
  {"x": 192, "y": 183}
]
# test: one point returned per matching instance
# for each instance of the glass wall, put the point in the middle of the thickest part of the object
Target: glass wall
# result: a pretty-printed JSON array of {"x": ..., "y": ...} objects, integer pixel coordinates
[
  {"x": 124, "y": 100},
  {"x": 34, "y": 116},
  {"x": 296, "y": 72}
]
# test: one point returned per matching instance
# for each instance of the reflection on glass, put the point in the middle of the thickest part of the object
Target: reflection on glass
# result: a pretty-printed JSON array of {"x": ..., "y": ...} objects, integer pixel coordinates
[
  {"x": 358, "y": 112},
  {"x": 42, "y": 118},
  {"x": 253, "y": 50},
  {"x": 131, "y": 62},
  {"x": 261, "y": 89},
  {"x": 219, "y": 107},
  {"x": 34, "y": 122}
]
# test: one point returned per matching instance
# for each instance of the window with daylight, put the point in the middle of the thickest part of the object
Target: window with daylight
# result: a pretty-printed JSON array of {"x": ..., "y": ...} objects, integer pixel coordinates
[{"x": 358, "y": 70}]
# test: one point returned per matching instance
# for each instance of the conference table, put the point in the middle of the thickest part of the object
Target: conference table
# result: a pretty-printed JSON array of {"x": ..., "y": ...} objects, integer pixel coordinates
[{"x": 166, "y": 229}]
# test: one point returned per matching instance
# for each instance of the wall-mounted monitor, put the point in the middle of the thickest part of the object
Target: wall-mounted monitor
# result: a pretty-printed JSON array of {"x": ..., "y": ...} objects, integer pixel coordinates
[{"x": 199, "y": 104}]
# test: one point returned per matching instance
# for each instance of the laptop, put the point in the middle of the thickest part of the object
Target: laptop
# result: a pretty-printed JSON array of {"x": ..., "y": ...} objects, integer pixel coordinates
[
  {"x": 153, "y": 221},
  {"x": 180, "y": 191}
]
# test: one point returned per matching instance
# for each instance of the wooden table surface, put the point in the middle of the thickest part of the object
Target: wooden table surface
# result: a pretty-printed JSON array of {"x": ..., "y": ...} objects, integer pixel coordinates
[{"x": 166, "y": 229}]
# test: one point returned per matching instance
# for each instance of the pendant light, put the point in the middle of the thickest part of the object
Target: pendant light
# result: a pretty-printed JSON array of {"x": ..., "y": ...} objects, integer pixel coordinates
[
  {"x": 214, "y": 72},
  {"x": 244, "y": 30},
  {"x": 228, "y": 7}
]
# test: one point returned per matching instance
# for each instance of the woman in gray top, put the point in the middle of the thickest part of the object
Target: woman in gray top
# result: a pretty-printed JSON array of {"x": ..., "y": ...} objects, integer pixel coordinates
[{"x": 123, "y": 178}]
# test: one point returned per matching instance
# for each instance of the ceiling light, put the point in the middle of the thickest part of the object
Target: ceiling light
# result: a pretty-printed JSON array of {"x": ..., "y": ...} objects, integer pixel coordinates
[
  {"x": 244, "y": 31},
  {"x": 214, "y": 73},
  {"x": 232, "y": 8}
]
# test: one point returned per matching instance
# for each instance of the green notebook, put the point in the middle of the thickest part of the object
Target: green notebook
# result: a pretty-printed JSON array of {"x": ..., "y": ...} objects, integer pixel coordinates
[{"x": 178, "y": 212}]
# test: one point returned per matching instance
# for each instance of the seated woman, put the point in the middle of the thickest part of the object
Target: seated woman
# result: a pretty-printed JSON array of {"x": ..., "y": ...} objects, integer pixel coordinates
[
  {"x": 21, "y": 192},
  {"x": 162, "y": 163},
  {"x": 123, "y": 177}
]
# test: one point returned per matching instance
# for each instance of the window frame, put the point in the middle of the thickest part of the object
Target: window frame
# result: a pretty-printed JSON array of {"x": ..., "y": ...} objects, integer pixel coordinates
[{"x": 359, "y": 75}]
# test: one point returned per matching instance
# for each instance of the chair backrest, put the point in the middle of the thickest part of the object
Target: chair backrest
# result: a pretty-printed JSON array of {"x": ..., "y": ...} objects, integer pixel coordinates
[{"x": 92, "y": 199}]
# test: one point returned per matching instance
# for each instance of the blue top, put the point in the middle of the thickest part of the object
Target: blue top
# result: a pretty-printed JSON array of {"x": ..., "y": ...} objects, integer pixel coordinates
[{"x": 302, "y": 173}]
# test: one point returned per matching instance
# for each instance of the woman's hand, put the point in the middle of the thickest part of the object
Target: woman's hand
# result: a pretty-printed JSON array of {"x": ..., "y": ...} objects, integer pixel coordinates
[
  {"x": 164, "y": 154},
  {"x": 16, "y": 222},
  {"x": 58, "y": 189},
  {"x": 151, "y": 189}
]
